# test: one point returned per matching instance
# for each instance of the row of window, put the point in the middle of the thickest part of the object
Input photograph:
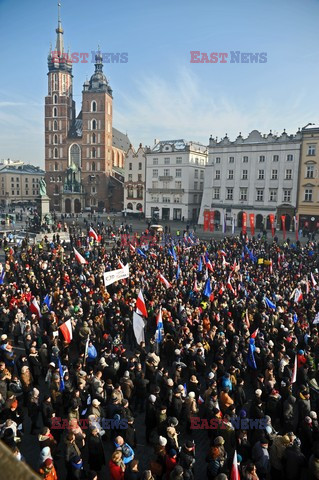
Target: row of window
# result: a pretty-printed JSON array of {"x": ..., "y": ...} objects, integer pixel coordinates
[
  {"x": 130, "y": 166},
  {"x": 178, "y": 185},
  {"x": 243, "y": 194},
  {"x": 139, "y": 191},
  {"x": 261, "y": 159},
  {"x": 178, "y": 173},
  {"x": 178, "y": 160},
  {"x": 139, "y": 177},
  {"x": 17, "y": 192},
  {"x": 260, "y": 175}
]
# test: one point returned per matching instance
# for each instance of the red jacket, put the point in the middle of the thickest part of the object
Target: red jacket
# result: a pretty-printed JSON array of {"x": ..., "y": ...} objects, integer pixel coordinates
[{"x": 116, "y": 472}]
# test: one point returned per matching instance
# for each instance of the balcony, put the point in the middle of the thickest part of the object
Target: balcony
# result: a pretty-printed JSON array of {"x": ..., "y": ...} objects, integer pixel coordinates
[
  {"x": 164, "y": 178},
  {"x": 173, "y": 191}
]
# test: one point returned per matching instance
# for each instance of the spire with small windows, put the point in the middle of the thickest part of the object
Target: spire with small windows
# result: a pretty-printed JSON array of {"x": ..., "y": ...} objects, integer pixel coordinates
[{"x": 58, "y": 59}]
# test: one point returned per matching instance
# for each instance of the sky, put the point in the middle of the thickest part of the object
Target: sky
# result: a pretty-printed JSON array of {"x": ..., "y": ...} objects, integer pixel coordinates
[{"x": 159, "y": 93}]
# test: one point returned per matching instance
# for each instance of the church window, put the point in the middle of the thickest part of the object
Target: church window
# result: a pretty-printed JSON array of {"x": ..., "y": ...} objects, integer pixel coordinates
[
  {"x": 55, "y": 139},
  {"x": 55, "y": 112},
  {"x": 93, "y": 166},
  {"x": 55, "y": 125},
  {"x": 93, "y": 138},
  {"x": 93, "y": 152},
  {"x": 93, "y": 106},
  {"x": 93, "y": 124},
  {"x": 56, "y": 153},
  {"x": 55, "y": 99},
  {"x": 56, "y": 166},
  {"x": 75, "y": 155}
]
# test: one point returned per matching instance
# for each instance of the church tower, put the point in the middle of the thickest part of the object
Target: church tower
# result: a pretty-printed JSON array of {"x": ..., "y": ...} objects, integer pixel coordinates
[
  {"x": 97, "y": 137},
  {"x": 59, "y": 116}
]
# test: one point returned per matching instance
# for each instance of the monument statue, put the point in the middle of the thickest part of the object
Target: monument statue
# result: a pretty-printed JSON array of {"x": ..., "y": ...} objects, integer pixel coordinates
[{"x": 43, "y": 187}]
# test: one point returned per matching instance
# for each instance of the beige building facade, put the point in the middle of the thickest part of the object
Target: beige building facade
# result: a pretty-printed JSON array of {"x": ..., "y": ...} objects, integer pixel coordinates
[
  {"x": 308, "y": 190},
  {"x": 19, "y": 183}
]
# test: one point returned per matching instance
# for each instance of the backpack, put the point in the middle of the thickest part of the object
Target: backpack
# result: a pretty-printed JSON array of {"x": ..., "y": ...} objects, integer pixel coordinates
[{"x": 126, "y": 451}]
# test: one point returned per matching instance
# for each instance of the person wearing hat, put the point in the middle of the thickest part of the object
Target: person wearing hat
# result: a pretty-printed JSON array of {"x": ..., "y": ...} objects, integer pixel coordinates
[
  {"x": 276, "y": 453},
  {"x": 191, "y": 409},
  {"x": 194, "y": 385},
  {"x": 96, "y": 409},
  {"x": 177, "y": 473},
  {"x": 96, "y": 451},
  {"x": 187, "y": 458},
  {"x": 127, "y": 385},
  {"x": 225, "y": 400},
  {"x": 294, "y": 461},
  {"x": 47, "y": 470},
  {"x": 260, "y": 456},
  {"x": 150, "y": 416},
  {"x": 170, "y": 462}
]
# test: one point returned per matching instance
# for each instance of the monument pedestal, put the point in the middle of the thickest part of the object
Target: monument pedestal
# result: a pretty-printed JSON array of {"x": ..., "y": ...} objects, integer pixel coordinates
[{"x": 43, "y": 207}]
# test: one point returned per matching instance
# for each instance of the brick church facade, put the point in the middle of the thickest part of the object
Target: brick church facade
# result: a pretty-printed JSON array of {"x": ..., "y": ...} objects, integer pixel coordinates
[{"x": 84, "y": 154}]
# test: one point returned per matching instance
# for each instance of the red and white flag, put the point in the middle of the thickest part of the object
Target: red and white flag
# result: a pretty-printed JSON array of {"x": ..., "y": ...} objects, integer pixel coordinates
[
  {"x": 314, "y": 283},
  {"x": 132, "y": 248},
  {"x": 153, "y": 254},
  {"x": 66, "y": 329},
  {"x": 209, "y": 265},
  {"x": 294, "y": 371},
  {"x": 229, "y": 286},
  {"x": 270, "y": 267},
  {"x": 79, "y": 257},
  {"x": 234, "y": 474},
  {"x": 34, "y": 308},
  {"x": 255, "y": 333},
  {"x": 195, "y": 288},
  {"x": 163, "y": 280},
  {"x": 307, "y": 287},
  {"x": 247, "y": 319},
  {"x": 298, "y": 295},
  {"x": 200, "y": 400},
  {"x": 93, "y": 234},
  {"x": 221, "y": 290},
  {"x": 140, "y": 305},
  {"x": 121, "y": 265}
]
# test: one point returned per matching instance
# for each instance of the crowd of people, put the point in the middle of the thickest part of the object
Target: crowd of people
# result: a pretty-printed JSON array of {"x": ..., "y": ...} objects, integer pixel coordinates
[{"x": 239, "y": 343}]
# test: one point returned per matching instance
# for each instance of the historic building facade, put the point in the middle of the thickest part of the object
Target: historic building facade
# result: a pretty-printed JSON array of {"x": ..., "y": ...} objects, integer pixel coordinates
[
  {"x": 308, "y": 189},
  {"x": 134, "y": 183},
  {"x": 84, "y": 154},
  {"x": 257, "y": 174},
  {"x": 19, "y": 183},
  {"x": 175, "y": 180}
]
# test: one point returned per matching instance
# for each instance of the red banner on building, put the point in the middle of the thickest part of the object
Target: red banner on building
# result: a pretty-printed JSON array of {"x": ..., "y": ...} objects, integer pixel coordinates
[
  {"x": 252, "y": 223},
  {"x": 296, "y": 222},
  {"x": 211, "y": 220},
  {"x": 206, "y": 220},
  {"x": 272, "y": 223},
  {"x": 283, "y": 221},
  {"x": 244, "y": 223}
]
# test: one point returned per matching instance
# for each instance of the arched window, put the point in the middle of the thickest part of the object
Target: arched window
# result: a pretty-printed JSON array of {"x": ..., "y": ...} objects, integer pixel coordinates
[
  {"x": 93, "y": 152},
  {"x": 55, "y": 112},
  {"x": 55, "y": 125},
  {"x": 93, "y": 124},
  {"x": 56, "y": 153},
  {"x": 93, "y": 106},
  {"x": 93, "y": 138},
  {"x": 55, "y": 99},
  {"x": 55, "y": 139},
  {"x": 75, "y": 155},
  {"x": 56, "y": 189},
  {"x": 56, "y": 166},
  {"x": 93, "y": 166}
]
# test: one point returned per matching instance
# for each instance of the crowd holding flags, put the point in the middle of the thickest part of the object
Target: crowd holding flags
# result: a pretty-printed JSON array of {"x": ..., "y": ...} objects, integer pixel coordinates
[
  {"x": 66, "y": 329},
  {"x": 79, "y": 257},
  {"x": 140, "y": 305}
]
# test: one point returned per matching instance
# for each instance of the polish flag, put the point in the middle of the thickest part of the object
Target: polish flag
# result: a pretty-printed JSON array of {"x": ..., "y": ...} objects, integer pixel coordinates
[
  {"x": 294, "y": 371},
  {"x": 66, "y": 329},
  {"x": 229, "y": 285},
  {"x": 247, "y": 319},
  {"x": 34, "y": 308},
  {"x": 140, "y": 305},
  {"x": 221, "y": 290},
  {"x": 307, "y": 287},
  {"x": 234, "y": 474},
  {"x": 298, "y": 295},
  {"x": 163, "y": 280},
  {"x": 195, "y": 288},
  {"x": 93, "y": 234},
  {"x": 255, "y": 333},
  {"x": 224, "y": 263},
  {"x": 270, "y": 267},
  {"x": 132, "y": 248},
  {"x": 200, "y": 400},
  {"x": 223, "y": 253},
  {"x": 314, "y": 283},
  {"x": 79, "y": 257},
  {"x": 121, "y": 265},
  {"x": 209, "y": 265},
  {"x": 212, "y": 297},
  {"x": 153, "y": 254}
]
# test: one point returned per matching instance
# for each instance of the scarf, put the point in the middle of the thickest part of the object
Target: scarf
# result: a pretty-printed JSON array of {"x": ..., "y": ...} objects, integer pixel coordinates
[{"x": 77, "y": 466}]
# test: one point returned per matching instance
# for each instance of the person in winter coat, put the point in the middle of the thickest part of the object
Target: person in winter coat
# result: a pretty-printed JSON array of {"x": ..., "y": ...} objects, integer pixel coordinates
[
  {"x": 47, "y": 470},
  {"x": 187, "y": 456},
  {"x": 276, "y": 452},
  {"x": 46, "y": 440},
  {"x": 96, "y": 451},
  {"x": 172, "y": 439},
  {"x": 294, "y": 461},
  {"x": 170, "y": 462},
  {"x": 71, "y": 451},
  {"x": 132, "y": 472},
  {"x": 190, "y": 409},
  {"x": 150, "y": 416},
  {"x": 116, "y": 466},
  {"x": 289, "y": 413},
  {"x": 214, "y": 463},
  {"x": 225, "y": 400},
  {"x": 35, "y": 365},
  {"x": 127, "y": 450},
  {"x": 260, "y": 456}
]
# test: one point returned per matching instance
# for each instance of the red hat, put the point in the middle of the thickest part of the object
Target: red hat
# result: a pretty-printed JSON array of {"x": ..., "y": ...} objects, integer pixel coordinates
[{"x": 48, "y": 462}]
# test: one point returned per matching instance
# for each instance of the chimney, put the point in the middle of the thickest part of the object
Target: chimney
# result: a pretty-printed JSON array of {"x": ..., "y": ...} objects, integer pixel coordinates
[{"x": 156, "y": 141}]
